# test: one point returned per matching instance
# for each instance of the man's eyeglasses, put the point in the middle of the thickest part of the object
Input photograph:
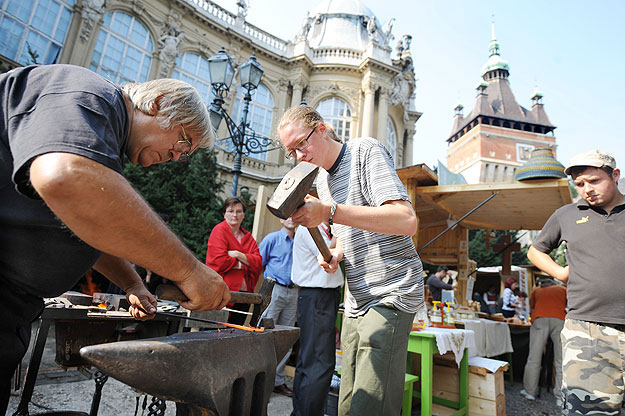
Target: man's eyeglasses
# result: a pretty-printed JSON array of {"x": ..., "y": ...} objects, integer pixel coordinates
[
  {"x": 183, "y": 147},
  {"x": 302, "y": 145}
]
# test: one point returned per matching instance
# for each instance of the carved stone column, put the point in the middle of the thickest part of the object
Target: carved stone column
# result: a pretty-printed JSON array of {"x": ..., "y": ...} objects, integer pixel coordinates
[
  {"x": 383, "y": 116},
  {"x": 367, "y": 111},
  {"x": 296, "y": 99},
  {"x": 283, "y": 87},
  {"x": 91, "y": 13}
]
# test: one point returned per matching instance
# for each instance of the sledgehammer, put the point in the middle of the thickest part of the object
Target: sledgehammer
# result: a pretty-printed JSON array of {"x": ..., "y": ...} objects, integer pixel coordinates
[{"x": 289, "y": 196}]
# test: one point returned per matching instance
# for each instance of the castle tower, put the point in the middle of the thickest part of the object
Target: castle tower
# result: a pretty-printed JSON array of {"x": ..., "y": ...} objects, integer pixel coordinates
[{"x": 498, "y": 136}]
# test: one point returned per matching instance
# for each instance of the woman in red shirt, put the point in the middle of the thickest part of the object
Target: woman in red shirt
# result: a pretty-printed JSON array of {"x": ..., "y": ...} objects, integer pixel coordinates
[{"x": 233, "y": 253}]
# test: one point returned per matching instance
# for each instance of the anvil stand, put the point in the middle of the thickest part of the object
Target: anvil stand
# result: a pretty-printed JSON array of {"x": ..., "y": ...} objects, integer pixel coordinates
[{"x": 49, "y": 315}]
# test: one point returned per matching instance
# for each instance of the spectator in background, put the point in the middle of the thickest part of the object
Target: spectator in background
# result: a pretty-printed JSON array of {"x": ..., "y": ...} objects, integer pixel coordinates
[
  {"x": 510, "y": 301},
  {"x": 436, "y": 284},
  {"x": 233, "y": 253},
  {"x": 317, "y": 306},
  {"x": 276, "y": 250},
  {"x": 491, "y": 298},
  {"x": 520, "y": 311},
  {"x": 548, "y": 310}
]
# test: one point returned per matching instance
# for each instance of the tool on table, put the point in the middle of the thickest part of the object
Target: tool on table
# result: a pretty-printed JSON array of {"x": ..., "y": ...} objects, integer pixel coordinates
[
  {"x": 236, "y": 311},
  {"x": 260, "y": 300},
  {"x": 289, "y": 196}
]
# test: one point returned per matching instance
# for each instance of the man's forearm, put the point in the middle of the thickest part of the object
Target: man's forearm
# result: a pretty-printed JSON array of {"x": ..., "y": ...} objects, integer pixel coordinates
[
  {"x": 394, "y": 217},
  {"x": 117, "y": 270},
  {"x": 545, "y": 263},
  {"x": 103, "y": 209}
]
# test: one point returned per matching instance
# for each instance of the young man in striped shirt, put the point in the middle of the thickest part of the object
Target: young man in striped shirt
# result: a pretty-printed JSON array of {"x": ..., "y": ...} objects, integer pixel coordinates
[{"x": 361, "y": 194}]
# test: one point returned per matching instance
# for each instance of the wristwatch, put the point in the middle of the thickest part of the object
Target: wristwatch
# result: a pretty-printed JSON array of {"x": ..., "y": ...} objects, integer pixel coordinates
[{"x": 332, "y": 211}]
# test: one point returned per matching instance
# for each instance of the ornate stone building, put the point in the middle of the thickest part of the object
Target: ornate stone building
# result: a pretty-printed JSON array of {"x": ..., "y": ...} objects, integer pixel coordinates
[
  {"x": 341, "y": 61},
  {"x": 498, "y": 136}
]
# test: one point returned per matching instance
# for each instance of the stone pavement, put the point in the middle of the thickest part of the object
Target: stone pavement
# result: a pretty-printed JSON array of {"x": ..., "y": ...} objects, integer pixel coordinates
[
  {"x": 72, "y": 390},
  {"x": 59, "y": 389}
]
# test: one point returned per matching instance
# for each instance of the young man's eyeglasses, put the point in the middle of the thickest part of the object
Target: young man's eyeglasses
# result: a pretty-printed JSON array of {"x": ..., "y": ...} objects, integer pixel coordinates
[
  {"x": 303, "y": 144},
  {"x": 184, "y": 146}
]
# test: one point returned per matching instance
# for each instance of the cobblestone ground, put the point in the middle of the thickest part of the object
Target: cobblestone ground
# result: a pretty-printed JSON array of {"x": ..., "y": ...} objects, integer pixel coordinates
[{"x": 59, "y": 389}]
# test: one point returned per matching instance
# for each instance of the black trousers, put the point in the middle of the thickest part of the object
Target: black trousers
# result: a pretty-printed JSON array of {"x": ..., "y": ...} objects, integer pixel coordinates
[
  {"x": 316, "y": 318},
  {"x": 17, "y": 311}
]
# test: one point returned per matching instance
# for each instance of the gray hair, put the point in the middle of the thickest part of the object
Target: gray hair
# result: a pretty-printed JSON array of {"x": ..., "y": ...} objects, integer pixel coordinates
[{"x": 177, "y": 103}]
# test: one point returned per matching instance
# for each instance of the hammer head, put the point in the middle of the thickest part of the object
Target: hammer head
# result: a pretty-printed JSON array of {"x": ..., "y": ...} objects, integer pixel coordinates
[
  {"x": 265, "y": 291},
  {"x": 290, "y": 193}
]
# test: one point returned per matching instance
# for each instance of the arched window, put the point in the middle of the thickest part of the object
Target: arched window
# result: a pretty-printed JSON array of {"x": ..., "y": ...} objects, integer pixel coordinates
[
  {"x": 38, "y": 26},
  {"x": 339, "y": 114},
  {"x": 391, "y": 140},
  {"x": 123, "y": 51},
  {"x": 193, "y": 69},
  {"x": 260, "y": 113}
]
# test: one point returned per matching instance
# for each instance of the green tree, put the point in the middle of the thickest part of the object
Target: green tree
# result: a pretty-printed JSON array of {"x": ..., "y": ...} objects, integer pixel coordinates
[
  {"x": 187, "y": 192},
  {"x": 485, "y": 258}
]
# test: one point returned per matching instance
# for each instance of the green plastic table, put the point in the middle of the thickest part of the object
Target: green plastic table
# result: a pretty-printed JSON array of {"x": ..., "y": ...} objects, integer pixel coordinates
[{"x": 425, "y": 344}]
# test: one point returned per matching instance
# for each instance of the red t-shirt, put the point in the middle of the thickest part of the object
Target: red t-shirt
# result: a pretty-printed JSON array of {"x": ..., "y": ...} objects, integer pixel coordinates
[{"x": 549, "y": 302}]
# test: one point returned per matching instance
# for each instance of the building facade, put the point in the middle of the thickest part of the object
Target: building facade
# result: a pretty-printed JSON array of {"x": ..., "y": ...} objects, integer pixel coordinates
[
  {"x": 341, "y": 62},
  {"x": 498, "y": 136}
]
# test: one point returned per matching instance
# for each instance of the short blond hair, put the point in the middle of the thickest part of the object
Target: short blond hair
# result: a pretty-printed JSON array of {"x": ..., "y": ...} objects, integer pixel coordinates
[
  {"x": 310, "y": 117},
  {"x": 305, "y": 113},
  {"x": 177, "y": 103}
]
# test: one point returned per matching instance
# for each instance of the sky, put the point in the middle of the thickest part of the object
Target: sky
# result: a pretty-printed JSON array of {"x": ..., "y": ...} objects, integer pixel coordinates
[{"x": 573, "y": 51}]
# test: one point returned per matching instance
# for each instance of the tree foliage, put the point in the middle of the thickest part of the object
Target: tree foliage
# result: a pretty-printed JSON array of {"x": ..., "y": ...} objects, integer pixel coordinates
[
  {"x": 484, "y": 257},
  {"x": 188, "y": 192}
]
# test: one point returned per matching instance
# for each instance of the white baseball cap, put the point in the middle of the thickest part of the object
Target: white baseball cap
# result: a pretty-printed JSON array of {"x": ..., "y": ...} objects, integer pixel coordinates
[{"x": 593, "y": 158}]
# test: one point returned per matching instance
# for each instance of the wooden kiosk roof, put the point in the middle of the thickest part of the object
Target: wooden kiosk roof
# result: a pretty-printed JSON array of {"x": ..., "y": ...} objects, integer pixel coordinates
[{"x": 519, "y": 205}]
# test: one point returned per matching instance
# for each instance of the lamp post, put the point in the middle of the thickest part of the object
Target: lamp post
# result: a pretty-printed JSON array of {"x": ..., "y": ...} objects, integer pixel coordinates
[{"x": 243, "y": 140}]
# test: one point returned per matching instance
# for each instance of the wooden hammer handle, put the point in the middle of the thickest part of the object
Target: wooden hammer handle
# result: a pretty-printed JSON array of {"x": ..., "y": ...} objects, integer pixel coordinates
[
  {"x": 320, "y": 243},
  {"x": 171, "y": 292}
]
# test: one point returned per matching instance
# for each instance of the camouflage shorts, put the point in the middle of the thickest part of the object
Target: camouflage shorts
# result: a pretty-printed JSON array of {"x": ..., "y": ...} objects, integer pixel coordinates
[{"x": 593, "y": 360}]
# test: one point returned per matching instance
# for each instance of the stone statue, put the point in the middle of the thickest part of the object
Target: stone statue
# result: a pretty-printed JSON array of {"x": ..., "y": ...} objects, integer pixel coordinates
[
  {"x": 371, "y": 27},
  {"x": 92, "y": 11},
  {"x": 407, "y": 41},
  {"x": 387, "y": 36},
  {"x": 303, "y": 32},
  {"x": 399, "y": 48},
  {"x": 243, "y": 6},
  {"x": 168, "y": 47}
]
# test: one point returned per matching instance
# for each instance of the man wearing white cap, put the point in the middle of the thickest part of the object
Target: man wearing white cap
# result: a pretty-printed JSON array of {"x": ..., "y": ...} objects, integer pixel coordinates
[{"x": 593, "y": 338}]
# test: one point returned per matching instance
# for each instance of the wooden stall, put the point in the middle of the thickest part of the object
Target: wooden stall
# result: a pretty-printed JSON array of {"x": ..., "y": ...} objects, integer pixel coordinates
[{"x": 517, "y": 206}]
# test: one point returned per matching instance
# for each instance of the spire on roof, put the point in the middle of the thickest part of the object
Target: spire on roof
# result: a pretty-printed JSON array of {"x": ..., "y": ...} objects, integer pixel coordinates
[
  {"x": 495, "y": 67},
  {"x": 537, "y": 96}
]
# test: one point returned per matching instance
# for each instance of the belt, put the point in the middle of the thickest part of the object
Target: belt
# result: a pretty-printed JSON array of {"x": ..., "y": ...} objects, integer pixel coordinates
[
  {"x": 618, "y": 327},
  {"x": 290, "y": 285}
]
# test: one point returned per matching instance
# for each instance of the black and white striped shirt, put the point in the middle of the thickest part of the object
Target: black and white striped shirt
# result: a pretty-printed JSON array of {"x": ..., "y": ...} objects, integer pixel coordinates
[{"x": 379, "y": 268}]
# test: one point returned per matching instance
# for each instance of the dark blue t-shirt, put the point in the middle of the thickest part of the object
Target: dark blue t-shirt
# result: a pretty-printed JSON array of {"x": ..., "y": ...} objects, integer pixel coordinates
[{"x": 44, "y": 109}]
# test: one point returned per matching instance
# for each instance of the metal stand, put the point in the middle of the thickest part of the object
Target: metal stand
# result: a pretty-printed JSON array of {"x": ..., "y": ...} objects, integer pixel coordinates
[
  {"x": 100, "y": 378},
  {"x": 157, "y": 407}
]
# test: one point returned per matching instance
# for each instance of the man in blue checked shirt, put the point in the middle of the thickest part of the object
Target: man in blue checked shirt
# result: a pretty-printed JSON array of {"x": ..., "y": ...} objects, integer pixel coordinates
[{"x": 277, "y": 252}]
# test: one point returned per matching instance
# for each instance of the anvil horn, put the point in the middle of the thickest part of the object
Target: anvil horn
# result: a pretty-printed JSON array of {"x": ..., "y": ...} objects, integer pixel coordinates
[{"x": 227, "y": 372}]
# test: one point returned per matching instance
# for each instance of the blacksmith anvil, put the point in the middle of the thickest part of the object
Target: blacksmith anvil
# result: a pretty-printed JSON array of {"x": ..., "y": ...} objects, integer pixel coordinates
[{"x": 226, "y": 372}]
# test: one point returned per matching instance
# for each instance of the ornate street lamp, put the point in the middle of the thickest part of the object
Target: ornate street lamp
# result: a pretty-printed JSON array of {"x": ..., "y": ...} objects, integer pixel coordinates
[{"x": 243, "y": 139}]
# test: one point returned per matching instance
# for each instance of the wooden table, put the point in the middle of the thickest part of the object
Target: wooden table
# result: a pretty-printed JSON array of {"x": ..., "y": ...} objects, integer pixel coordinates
[{"x": 425, "y": 344}]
